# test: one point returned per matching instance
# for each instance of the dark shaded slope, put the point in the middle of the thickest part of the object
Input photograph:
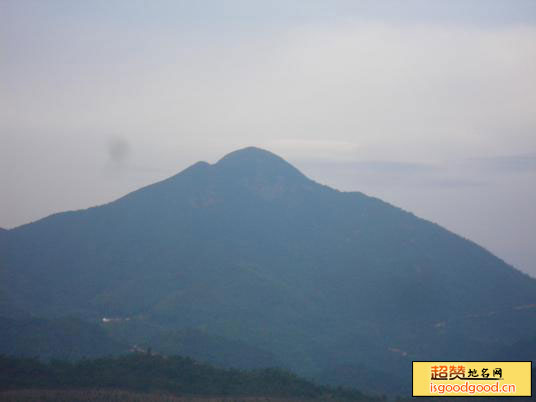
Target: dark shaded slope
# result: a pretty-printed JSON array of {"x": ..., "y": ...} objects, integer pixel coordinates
[{"x": 522, "y": 350}]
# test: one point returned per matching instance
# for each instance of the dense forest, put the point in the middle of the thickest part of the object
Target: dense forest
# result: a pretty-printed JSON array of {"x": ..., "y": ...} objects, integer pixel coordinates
[{"x": 149, "y": 373}]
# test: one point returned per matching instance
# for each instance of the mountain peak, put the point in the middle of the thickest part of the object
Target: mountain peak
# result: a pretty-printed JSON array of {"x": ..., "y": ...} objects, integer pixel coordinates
[
  {"x": 260, "y": 162},
  {"x": 251, "y": 154}
]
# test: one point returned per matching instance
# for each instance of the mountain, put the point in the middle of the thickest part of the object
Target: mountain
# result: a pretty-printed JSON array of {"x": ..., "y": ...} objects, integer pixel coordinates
[{"x": 250, "y": 249}]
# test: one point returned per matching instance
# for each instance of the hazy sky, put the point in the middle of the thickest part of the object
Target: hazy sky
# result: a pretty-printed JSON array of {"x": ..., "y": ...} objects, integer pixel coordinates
[{"x": 429, "y": 105}]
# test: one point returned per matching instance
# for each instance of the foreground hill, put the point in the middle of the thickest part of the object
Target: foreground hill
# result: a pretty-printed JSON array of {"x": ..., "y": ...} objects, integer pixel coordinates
[
  {"x": 250, "y": 249},
  {"x": 174, "y": 375}
]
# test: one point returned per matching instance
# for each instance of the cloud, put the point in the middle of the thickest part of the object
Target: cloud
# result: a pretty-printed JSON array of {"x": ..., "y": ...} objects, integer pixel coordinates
[
  {"x": 394, "y": 166},
  {"x": 409, "y": 92},
  {"x": 315, "y": 149},
  {"x": 506, "y": 163},
  {"x": 393, "y": 174}
]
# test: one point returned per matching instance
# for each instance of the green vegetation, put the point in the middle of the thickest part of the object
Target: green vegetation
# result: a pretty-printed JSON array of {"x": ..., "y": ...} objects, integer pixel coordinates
[{"x": 175, "y": 375}]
